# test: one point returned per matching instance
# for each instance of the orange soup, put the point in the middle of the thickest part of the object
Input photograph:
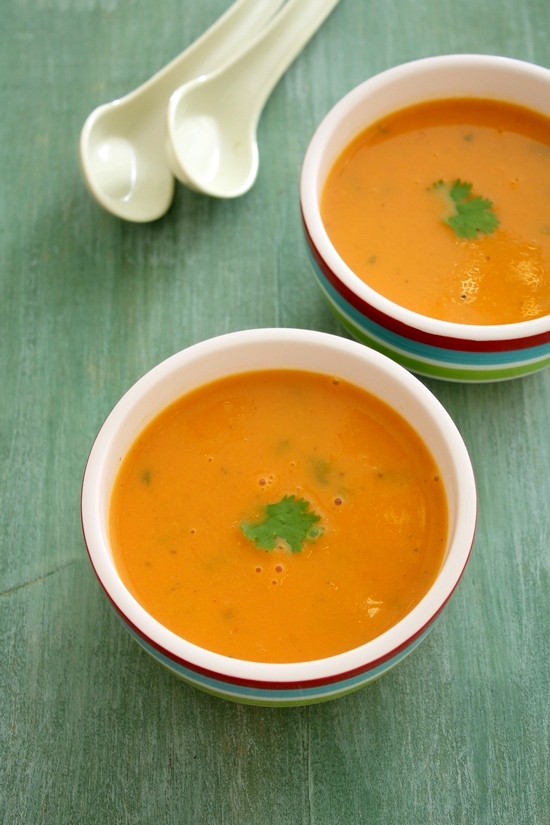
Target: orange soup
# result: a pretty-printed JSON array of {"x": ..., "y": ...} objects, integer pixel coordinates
[
  {"x": 278, "y": 516},
  {"x": 444, "y": 208}
]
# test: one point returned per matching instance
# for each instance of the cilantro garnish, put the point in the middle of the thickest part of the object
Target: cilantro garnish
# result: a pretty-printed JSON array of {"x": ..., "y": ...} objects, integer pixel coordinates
[
  {"x": 289, "y": 520},
  {"x": 473, "y": 215}
]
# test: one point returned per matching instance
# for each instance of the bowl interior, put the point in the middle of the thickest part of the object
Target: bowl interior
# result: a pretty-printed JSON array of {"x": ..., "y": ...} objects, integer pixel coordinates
[{"x": 273, "y": 349}]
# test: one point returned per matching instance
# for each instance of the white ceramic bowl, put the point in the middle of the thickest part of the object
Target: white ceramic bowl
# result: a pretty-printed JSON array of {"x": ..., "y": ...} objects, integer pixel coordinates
[
  {"x": 304, "y": 682},
  {"x": 425, "y": 345}
]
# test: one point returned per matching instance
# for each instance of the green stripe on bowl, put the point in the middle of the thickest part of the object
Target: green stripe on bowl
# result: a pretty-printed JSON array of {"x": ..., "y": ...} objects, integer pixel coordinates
[{"x": 432, "y": 370}]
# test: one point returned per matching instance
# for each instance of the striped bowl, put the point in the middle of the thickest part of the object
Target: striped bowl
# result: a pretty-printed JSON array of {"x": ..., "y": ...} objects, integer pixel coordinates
[
  {"x": 427, "y": 346},
  {"x": 301, "y": 682}
]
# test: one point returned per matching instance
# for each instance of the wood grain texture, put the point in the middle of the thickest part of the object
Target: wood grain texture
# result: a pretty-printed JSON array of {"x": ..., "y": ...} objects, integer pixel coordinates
[{"x": 92, "y": 730}]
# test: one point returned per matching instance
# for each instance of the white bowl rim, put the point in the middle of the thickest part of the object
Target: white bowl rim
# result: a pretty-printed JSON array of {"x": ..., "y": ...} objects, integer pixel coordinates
[
  {"x": 310, "y": 203},
  {"x": 93, "y": 498}
]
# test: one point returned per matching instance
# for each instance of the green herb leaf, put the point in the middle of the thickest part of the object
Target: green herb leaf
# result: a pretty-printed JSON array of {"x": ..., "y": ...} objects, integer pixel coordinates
[
  {"x": 289, "y": 519},
  {"x": 473, "y": 215}
]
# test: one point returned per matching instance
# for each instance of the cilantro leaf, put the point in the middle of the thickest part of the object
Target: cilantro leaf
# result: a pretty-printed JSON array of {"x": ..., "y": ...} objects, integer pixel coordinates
[
  {"x": 472, "y": 215},
  {"x": 289, "y": 519}
]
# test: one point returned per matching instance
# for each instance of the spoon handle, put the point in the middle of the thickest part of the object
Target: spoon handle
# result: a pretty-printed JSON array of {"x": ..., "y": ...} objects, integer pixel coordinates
[
  {"x": 217, "y": 46},
  {"x": 278, "y": 44}
]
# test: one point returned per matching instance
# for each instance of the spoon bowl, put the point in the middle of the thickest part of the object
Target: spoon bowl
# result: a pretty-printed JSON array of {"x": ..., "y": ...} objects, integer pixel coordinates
[
  {"x": 217, "y": 150},
  {"x": 122, "y": 155},
  {"x": 212, "y": 121}
]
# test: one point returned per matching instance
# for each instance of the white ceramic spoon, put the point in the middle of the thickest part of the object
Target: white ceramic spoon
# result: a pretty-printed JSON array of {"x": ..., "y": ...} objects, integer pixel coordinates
[
  {"x": 212, "y": 121},
  {"x": 122, "y": 144}
]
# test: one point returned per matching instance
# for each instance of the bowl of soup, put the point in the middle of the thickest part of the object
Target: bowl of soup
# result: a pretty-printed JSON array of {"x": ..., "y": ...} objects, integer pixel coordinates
[
  {"x": 278, "y": 516},
  {"x": 425, "y": 205}
]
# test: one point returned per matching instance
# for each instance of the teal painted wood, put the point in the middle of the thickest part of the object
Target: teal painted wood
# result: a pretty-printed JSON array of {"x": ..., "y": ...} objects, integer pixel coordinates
[{"x": 91, "y": 729}]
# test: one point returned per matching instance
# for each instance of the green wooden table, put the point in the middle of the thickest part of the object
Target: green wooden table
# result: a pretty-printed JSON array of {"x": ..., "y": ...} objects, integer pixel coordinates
[{"x": 92, "y": 731}]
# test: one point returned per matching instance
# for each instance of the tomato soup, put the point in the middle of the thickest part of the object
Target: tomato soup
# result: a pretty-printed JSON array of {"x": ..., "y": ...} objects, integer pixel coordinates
[
  {"x": 353, "y": 498},
  {"x": 444, "y": 208}
]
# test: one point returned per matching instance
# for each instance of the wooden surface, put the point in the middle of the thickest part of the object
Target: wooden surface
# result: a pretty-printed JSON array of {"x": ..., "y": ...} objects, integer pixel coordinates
[{"x": 92, "y": 731}]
